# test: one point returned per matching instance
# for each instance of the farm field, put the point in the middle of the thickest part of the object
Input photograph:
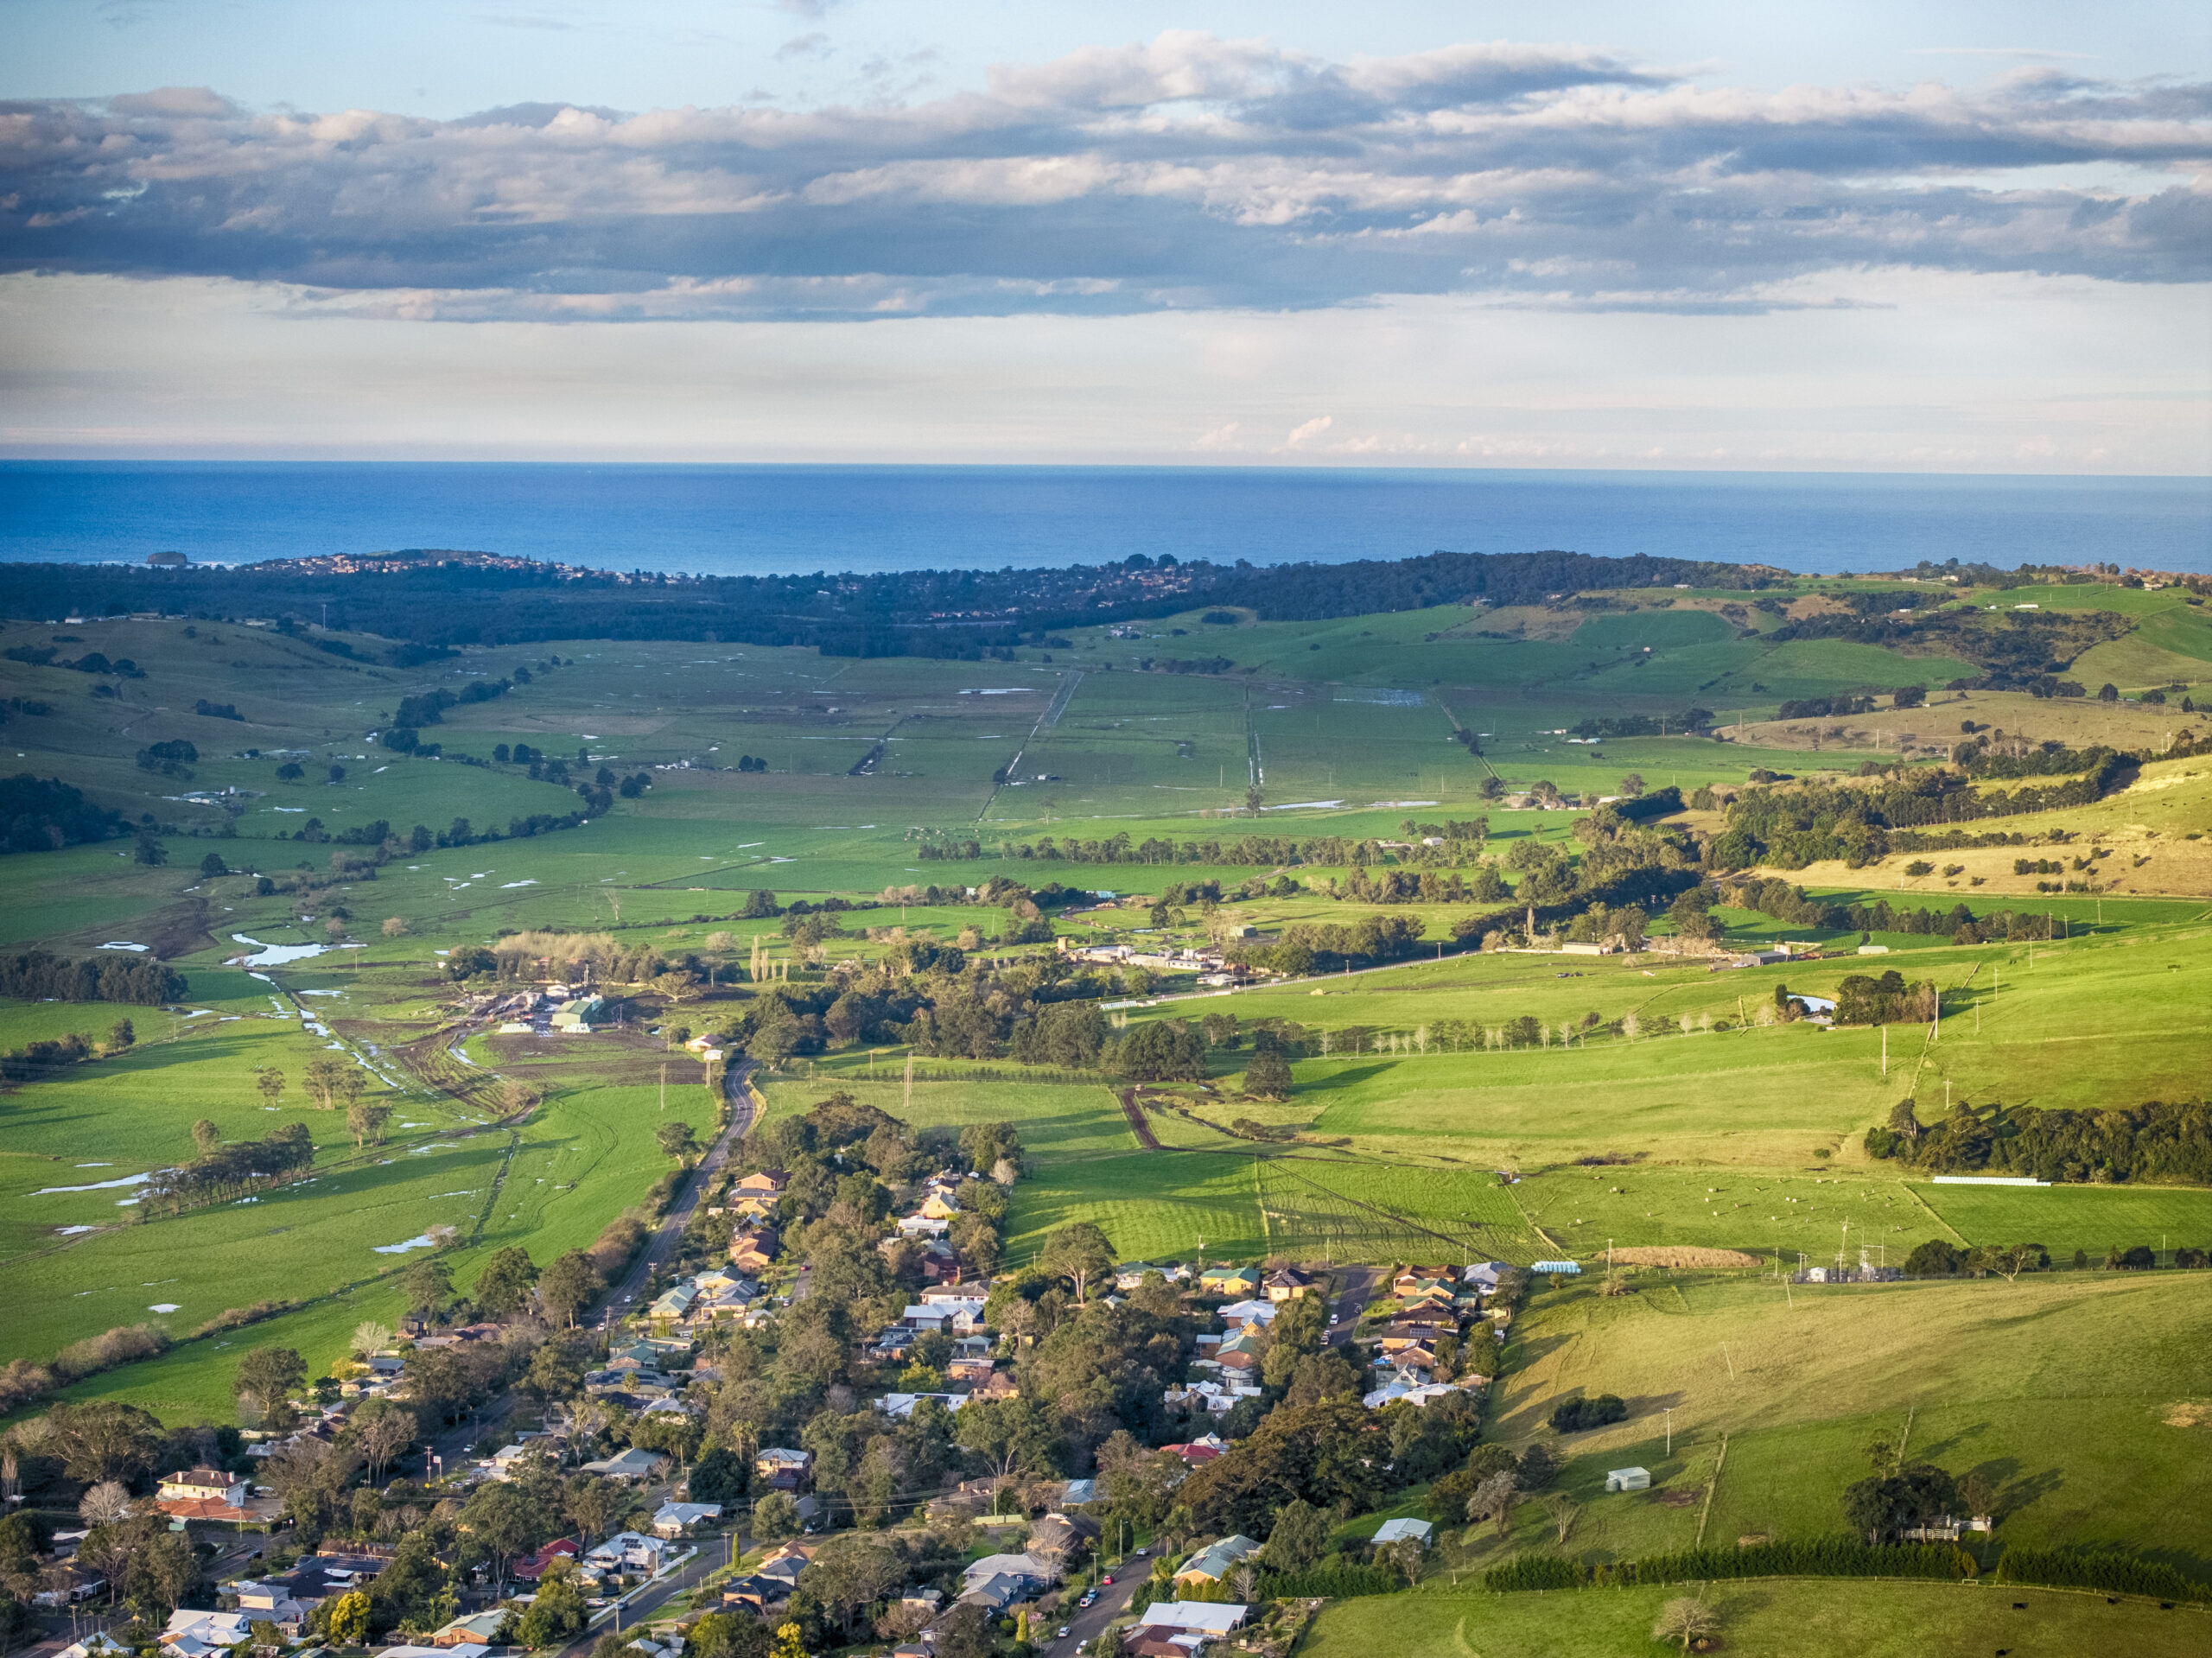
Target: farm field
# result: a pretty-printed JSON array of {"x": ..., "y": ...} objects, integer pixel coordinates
[
  {"x": 2013, "y": 1381},
  {"x": 1349, "y": 725},
  {"x": 1775, "y": 1618}
]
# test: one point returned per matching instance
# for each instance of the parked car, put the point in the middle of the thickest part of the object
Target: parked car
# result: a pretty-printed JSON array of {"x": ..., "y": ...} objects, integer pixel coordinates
[
  {"x": 1108, "y": 1581},
  {"x": 1060, "y": 1634}
]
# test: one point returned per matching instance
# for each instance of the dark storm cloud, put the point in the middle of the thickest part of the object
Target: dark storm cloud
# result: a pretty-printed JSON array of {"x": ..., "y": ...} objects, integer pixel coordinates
[{"x": 1190, "y": 171}]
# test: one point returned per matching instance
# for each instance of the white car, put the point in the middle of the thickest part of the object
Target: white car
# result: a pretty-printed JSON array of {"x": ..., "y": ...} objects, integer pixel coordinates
[{"x": 1060, "y": 1634}]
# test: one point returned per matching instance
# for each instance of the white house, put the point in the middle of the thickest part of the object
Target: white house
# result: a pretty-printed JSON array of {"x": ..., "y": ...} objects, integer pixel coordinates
[
  {"x": 900, "y": 1406},
  {"x": 1402, "y": 1531},
  {"x": 633, "y": 1552},
  {"x": 674, "y": 1519},
  {"x": 195, "y": 1635}
]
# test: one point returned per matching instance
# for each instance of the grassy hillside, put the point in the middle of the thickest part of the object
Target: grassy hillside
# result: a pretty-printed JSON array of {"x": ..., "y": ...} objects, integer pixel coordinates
[{"x": 1777, "y": 1619}]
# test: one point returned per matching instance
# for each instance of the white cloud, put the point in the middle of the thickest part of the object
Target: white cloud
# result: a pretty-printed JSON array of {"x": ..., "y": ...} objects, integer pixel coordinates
[{"x": 1188, "y": 171}]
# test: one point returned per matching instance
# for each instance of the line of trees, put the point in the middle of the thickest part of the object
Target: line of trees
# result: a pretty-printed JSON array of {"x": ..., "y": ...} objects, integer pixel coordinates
[
  {"x": 223, "y": 1173},
  {"x": 1778, "y": 898},
  {"x": 1816, "y": 1557},
  {"x": 39, "y": 975},
  {"x": 2155, "y": 1142}
]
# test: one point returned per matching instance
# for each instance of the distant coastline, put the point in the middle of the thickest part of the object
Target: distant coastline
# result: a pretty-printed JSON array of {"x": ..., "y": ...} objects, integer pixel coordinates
[{"x": 747, "y": 520}]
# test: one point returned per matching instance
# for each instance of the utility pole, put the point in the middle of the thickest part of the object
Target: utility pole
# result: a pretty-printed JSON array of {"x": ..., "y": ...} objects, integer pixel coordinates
[{"x": 1670, "y": 1430}]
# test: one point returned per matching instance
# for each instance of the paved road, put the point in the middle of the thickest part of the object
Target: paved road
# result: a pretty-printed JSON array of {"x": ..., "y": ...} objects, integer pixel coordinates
[
  {"x": 622, "y": 1295},
  {"x": 1359, "y": 1287},
  {"x": 647, "y": 1606},
  {"x": 1086, "y": 1626}
]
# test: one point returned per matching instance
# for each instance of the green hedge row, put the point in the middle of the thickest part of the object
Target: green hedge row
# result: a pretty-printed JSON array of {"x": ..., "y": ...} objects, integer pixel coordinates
[
  {"x": 1848, "y": 1557},
  {"x": 1819, "y": 1557},
  {"x": 2115, "y": 1574},
  {"x": 1330, "y": 1582}
]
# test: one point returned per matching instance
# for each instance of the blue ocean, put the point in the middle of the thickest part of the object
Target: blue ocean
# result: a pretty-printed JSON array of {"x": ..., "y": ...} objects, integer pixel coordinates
[{"x": 746, "y": 520}]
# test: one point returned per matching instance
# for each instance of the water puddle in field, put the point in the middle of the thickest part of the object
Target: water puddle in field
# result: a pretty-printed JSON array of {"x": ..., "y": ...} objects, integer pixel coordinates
[
  {"x": 508, "y": 886},
  {"x": 163, "y": 1306},
  {"x": 97, "y": 1185},
  {"x": 118, "y": 944},
  {"x": 73, "y": 1231},
  {"x": 421, "y": 1242},
  {"x": 275, "y": 954}
]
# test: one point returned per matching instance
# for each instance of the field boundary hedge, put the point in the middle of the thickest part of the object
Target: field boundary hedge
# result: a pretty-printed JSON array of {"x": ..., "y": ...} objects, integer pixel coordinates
[
  {"x": 1821, "y": 1557},
  {"x": 2103, "y": 1572},
  {"x": 2111, "y": 1573}
]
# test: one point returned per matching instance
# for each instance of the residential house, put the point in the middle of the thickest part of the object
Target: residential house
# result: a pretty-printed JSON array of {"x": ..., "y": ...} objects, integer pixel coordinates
[
  {"x": 1403, "y": 1531},
  {"x": 1212, "y": 1618},
  {"x": 478, "y": 1629},
  {"x": 900, "y": 1406},
  {"x": 1411, "y": 1281},
  {"x": 1255, "y": 1312},
  {"x": 98, "y": 1644},
  {"x": 1218, "y": 1398},
  {"x": 923, "y": 1226},
  {"x": 1130, "y": 1277},
  {"x": 674, "y": 1519},
  {"x": 199, "y": 1635},
  {"x": 781, "y": 1469},
  {"x": 999, "y": 1385},
  {"x": 1213, "y": 1563},
  {"x": 1235, "y": 1282},
  {"x": 1062, "y": 1537},
  {"x": 938, "y": 1206},
  {"x": 1415, "y": 1392},
  {"x": 200, "y": 1484},
  {"x": 753, "y": 1249},
  {"x": 632, "y": 1551},
  {"x": 1287, "y": 1284},
  {"x": 632, "y": 1464},
  {"x": 273, "y": 1601},
  {"x": 674, "y": 1303},
  {"x": 1484, "y": 1274},
  {"x": 1240, "y": 1352},
  {"x": 970, "y": 1370},
  {"x": 533, "y": 1568},
  {"x": 1032, "y": 1574},
  {"x": 1202, "y": 1449},
  {"x": 892, "y": 1342}
]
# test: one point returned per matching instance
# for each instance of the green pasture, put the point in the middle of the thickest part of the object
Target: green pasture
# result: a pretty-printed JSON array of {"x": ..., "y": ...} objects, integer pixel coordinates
[
  {"x": 1358, "y": 711},
  {"x": 1776, "y": 1618},
  {"x": 2017, "y": 1381}
]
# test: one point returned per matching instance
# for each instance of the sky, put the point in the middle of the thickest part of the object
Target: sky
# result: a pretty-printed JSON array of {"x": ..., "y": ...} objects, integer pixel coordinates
[{"x": 1866, "y": 237}]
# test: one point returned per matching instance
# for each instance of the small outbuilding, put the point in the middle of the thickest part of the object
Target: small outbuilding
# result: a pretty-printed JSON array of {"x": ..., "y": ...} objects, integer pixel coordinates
[{"x": 1628, "y": 1479}]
